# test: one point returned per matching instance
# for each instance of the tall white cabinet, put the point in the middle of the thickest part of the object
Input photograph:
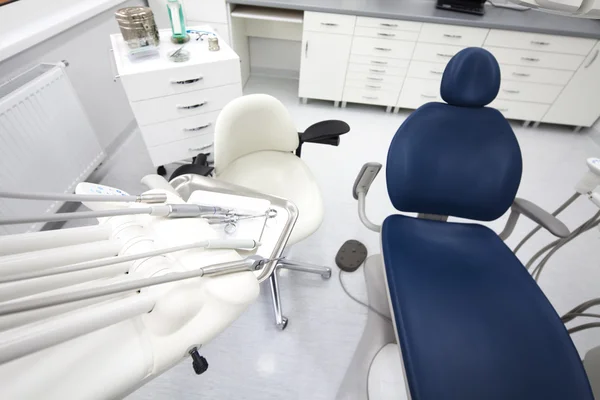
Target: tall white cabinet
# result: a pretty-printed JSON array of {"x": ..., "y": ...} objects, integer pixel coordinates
[
  {"x": 326, "y": 42},
  {"x": 396, "y": 63}
]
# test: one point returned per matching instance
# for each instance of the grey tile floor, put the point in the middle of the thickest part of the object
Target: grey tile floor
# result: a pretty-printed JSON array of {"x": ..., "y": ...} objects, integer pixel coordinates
[{"x": 253, "y": 360}]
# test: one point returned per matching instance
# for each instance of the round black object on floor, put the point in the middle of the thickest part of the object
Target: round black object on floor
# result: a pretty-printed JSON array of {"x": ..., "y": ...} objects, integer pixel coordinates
[{"x": 351, "y": 255}]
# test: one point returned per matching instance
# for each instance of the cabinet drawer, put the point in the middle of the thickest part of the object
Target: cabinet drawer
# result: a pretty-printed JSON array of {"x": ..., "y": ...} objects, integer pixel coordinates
[
  {"x": 180, "y": 80},
  {"x": 535, "y": 92},
  {"x": 330, "y": 23},
  {"x": 426, "y": 70},
  {"x": 376, "y": 70},
  {"x": 388, "y": 87},
  {"x": 519, "y": 110},
  {"x": 438, "y": 53},
  {"x": 416, "y": 92},
  {"x": 379, "y": 33},
  {"x": 179, "y": 129},
  {"x": 531, "y": 58},
  {"x": 374, "y": 79},
  {"x": 379, "y": 61},
  {"x": 540, "y": 42},
  {"x": 167, "y": 108},
  {"x": 391, "y": 24},
  {"x": 382, "y": 47},
  {"x": 452, "y": 34},
  {"x": 370, "y": 96},
  {"x": 182, "y": 149},
  {"x": 537, "y": 75}
]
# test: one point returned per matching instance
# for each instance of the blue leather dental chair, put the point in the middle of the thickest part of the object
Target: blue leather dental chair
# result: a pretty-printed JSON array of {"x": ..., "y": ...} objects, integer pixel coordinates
[{"x": 465, "y": 319}]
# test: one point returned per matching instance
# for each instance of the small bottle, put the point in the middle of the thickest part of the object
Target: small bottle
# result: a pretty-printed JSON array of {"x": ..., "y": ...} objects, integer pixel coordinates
[{"x": 177, "y": 22}]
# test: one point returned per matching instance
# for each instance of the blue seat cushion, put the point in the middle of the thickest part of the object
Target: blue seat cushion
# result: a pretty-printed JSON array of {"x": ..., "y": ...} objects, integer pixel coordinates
[{"x": 471, "y": 322}]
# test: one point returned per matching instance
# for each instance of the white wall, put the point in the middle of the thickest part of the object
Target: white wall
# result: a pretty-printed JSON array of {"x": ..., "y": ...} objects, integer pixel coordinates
[
  {"x": 86, "y": 48},
  {"x": 280, "y": 57}
]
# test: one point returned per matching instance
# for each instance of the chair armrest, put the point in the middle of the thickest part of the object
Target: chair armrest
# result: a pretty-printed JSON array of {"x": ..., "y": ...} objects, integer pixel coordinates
[
  {"x": 324, "y": 130},
  {"x": 537, "y": 215},
  {"x": 363, "y": 182}
]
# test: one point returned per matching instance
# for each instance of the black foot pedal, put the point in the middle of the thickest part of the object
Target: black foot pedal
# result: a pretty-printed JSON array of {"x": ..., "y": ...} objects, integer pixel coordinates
[{"x": 351, "y": 255}]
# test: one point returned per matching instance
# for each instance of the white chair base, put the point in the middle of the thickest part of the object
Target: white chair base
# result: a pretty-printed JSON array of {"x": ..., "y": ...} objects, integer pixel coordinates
[{"x": 325, "y": 272}]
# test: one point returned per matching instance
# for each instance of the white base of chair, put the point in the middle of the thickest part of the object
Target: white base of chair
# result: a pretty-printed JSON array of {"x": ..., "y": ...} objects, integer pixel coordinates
[
  {"x": 378, "y": 333},
  {"x": 325, "y": 272}
]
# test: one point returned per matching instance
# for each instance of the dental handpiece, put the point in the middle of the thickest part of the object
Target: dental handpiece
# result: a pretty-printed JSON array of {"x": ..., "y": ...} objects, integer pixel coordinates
[{"x": 166, "y": 210}]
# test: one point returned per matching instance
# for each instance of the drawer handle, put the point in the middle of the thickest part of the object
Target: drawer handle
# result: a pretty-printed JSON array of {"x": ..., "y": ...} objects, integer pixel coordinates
[
  {"x": 436, "y": 72},
  {"x": 198, "y": 128},
  {"x": 374, "y": 79},
  {"x": 540, "y": 43},
  {"x": 187, "y": 82},
  {"x": 593, "y": 59},
  {"x": 521, "y": 74},
  {"x": 445, "y": 55},
  {"x": 379, "y": 71},
  {"x": 328, "y": 24},
  {"x": 389, "y": 25},
  {"x": 532, "y": 59},
  {"x": 373, "y": 86},
  {"x": 379, "y": 62},
  {"x": 386, "y": 34},
  {"x": 192, "y": 106},
  {"x": 383, "y": 48},
  {"x": 452, "y": 36},
  {"x": 202, "y": 147},
  {"x": 512, "y": 91},
  {"x": 370, "y": 97},
  {"x": 428, "y": 96},
  {"x": 502, "y": 109}
]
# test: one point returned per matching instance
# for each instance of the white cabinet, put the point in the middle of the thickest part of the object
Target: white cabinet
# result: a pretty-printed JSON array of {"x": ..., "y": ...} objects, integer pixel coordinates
[
  {"x": 579, "y": 102},
  {"x": 323, "y": 65},
  {"x": 545, "y": 78},
  {"x": 176, "y": 104}
]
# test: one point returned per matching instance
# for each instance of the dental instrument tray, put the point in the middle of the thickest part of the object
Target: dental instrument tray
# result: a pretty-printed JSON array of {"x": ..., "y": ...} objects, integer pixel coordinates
[{"x": 245, "y": 217}]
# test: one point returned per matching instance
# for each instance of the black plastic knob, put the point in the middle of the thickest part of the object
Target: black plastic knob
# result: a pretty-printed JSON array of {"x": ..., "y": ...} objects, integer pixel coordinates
[{"x": 199, "y": 363}]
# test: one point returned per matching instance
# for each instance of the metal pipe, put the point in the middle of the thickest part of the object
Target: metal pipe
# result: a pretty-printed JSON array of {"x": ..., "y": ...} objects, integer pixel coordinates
[
  {"x": 34, "y": 241},
  {"x": 27, "y": 339},
  {"x": 40, "y": 286},
  {"x": 24, "y": 263},
  {"x": 211, "y": 244},
  {"x": 70, "y": 197},
  {"x": 15, "y": 320},
  {"x": 251, "y": 263}
]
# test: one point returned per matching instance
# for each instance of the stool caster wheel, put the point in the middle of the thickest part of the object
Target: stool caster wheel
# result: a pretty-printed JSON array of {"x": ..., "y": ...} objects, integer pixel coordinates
[
  {"x": 326, "y": 275},
  {"x": 199, "y": 363},
  {"x": 283, "y": 324},
  {"x": 162, "y": 171}
]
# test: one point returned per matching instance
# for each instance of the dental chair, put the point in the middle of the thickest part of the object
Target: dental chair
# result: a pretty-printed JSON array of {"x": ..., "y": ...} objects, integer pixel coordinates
[
  {"x": 459, "y": 315},
  {"x": 257, "y": 146}
]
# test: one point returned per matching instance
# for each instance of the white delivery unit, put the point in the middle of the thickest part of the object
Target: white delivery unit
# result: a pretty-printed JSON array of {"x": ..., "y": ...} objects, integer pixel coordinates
[{"x": 176, "y": 104}]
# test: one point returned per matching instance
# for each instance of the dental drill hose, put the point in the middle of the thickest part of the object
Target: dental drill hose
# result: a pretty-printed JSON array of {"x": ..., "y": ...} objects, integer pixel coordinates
[
  {"x": 167, "y": 210},
  {"x": 149, "y": 198}
]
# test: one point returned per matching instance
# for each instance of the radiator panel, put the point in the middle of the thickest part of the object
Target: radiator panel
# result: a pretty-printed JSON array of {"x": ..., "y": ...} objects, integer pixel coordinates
[{"x": 47, "y": 143}]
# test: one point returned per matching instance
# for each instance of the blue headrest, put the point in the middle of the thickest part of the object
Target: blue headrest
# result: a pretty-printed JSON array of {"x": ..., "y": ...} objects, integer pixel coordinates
[
  {"x": 463, "y": 161},
  {"x": 471, "y": 78}
]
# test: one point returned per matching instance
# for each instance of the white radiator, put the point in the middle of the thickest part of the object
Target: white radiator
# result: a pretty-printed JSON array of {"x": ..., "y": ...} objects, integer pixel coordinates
[{"x": 47, "y": 143}]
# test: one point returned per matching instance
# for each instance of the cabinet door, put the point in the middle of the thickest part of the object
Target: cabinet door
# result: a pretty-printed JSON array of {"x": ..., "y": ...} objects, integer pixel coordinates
[
  {"x": 323, "y": 65},
  {"x": 579, "y": 102}
]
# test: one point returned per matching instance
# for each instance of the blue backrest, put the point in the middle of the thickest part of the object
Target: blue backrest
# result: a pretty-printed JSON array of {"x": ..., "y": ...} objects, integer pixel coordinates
[{"x": 461, "y": 158}]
